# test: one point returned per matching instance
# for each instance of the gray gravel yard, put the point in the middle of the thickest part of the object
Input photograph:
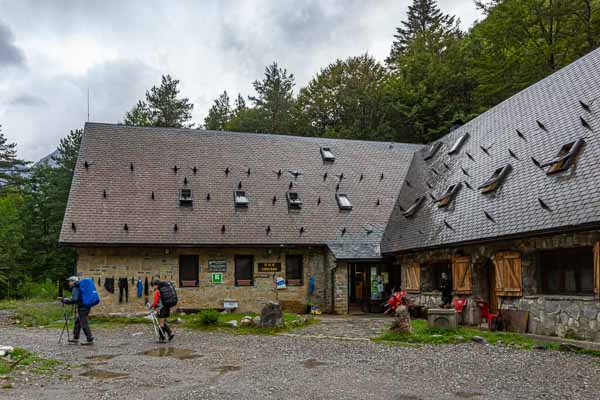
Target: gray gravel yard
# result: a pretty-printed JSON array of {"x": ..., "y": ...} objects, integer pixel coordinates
[{"x": 309, "y": 364}]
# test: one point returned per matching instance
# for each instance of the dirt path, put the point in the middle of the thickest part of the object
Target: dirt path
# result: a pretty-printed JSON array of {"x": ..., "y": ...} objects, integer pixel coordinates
[{"x": 127, "y": 363}]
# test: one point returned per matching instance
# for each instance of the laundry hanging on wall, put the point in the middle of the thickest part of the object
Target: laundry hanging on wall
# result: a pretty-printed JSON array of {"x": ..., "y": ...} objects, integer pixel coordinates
[
  {"x": 140, "y": 287},
  {"x": 123, "y": 290},
  {"x": 109, "y": 284}
]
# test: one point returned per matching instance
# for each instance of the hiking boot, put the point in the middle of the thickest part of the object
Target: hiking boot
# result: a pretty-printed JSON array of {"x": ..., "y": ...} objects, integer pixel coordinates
[
  {"x": 88, "y": 343},
  {"x": 73, "y": 341},
  {"x": 171, "y": 336}
]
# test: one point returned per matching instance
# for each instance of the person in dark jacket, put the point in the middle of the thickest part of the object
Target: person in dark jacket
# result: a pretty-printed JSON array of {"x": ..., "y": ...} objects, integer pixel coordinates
[
  {"x": 162, "y": 312},
  {"x": 81, "y": 322},
  {"x": 446, "y": 288}
]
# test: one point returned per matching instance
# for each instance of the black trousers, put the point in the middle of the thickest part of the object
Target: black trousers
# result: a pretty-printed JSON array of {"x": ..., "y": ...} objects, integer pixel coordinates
[
  {"x": 81, "y": 322},
  {"x": 123, "y": 289}
]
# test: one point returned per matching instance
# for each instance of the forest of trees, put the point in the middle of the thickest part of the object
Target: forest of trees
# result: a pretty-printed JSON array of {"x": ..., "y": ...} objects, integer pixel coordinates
[{"x": 435, "y": 76}]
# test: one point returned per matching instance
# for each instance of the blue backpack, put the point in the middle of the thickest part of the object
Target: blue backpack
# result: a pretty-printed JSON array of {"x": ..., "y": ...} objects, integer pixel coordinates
[{"x": 88, "y": 293}]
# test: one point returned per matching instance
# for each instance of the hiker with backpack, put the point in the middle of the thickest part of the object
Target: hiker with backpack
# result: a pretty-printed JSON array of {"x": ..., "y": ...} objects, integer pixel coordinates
[
  {"x": 83, "y": 296},
  {"x": 165, "y": 297}
]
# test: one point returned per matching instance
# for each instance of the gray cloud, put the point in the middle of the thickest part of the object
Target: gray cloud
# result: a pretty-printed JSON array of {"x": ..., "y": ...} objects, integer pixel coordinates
[
  {"x": 27, "y": 100},
  {"x": 10, "y": 55}
]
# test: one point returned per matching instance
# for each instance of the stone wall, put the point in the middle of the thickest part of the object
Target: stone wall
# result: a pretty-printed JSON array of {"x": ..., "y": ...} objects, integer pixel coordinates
[
  {"x": 340, "y": 288},
  {"x": 104, "y": 262},
  {"x": 555, "y": 315}
]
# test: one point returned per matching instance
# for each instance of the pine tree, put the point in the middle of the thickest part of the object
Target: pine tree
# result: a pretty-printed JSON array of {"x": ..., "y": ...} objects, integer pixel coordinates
[
  {"x": 423, "y": 17},
  {"x": 274, "y": 98},
  {"x": 162, "y": 107},
  {"x": 8, "y": 160},
  {"x": 219, "y": 114},
  {"x": 68, "y": 150},
  {"x": 240, "y": 104}
]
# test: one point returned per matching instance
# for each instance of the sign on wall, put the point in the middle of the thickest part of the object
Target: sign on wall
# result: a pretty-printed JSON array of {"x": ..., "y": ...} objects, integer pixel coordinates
[
  {"x": 217, "y": 266},
  {"x": 217, "y": 277},
  {"x": 269, "y": 267}
]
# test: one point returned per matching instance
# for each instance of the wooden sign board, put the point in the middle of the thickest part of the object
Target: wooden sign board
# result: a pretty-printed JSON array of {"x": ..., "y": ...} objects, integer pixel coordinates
[{"x": 269, "y": 267}]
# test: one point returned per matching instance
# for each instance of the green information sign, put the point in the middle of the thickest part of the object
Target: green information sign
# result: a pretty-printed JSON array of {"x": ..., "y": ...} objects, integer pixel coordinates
[{"x": 217, "y": 278}]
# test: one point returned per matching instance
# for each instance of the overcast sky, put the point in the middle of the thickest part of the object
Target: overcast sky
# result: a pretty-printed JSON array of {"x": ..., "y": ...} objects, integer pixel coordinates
[{"x": 51, "y": 52}]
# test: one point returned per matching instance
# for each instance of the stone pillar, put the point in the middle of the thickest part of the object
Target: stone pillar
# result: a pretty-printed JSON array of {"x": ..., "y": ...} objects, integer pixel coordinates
[{"x": 340, "y": 289}]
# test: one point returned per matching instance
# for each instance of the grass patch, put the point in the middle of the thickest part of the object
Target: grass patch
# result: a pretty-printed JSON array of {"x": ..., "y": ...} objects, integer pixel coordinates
[
  {"x": 40, "y": 314},
  {"x": 291, "y": 321},
  {"x": 24, "y": 360},
  {"x": 422, "y": 335}
]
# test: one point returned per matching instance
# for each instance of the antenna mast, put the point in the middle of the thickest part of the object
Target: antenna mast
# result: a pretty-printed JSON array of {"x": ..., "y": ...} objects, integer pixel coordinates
[{"x": 88, "y": 105}]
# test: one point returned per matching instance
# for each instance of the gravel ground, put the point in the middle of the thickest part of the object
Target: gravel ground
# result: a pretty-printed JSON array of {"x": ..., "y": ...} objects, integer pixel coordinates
[{"x": 309, "y": 364}]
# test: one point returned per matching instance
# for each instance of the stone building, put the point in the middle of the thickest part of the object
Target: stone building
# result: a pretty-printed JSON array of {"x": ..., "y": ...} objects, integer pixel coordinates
[{"x": 507, "y": 204}]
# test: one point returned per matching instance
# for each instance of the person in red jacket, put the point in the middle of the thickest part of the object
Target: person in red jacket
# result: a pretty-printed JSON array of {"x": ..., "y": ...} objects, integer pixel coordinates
[{"x": 162, "y": 312}]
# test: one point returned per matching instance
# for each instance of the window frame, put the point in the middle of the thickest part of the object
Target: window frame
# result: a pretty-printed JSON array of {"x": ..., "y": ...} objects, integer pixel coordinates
[
  {"x": 497, "y": 178},
  {"x": 186, "y": 201},
  {"x": 246, "y": 282},
  {"x": 432, "y": 151},
  {"x": 565, "y": 157},
  {"x": 294, "y": 204},
  {"x": 240, "y": 199},
  {"x": 295, "y": 281},
  {"x": 412, "y": 210},
  {"x": 186, "y": 283},
  {"x": 449, "y": 195},
  {"x": 551, "y": 261},
  {"x": 327, "y": 154},
  {"x": 339, "y": 197},
  {"x": 459, "y": 143}
]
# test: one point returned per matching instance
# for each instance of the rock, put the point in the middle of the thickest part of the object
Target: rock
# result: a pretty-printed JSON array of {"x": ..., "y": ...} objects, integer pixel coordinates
[
  {"x": 256, "y": 321},
  {"x": 137, "y": 334},
  {"x": 401, "y": 322},
  {"x": 233, "y": 323},
  {"x": 246, "y": 321},
  {"x": 4, "y": 350},
  {"x": 540, "y": 347},
  {"x": 479, "y": 339},
  {"x": 177, "y": 321},
  {"x": 569, "y": 347},
  {"x": 271, "y": 315}
]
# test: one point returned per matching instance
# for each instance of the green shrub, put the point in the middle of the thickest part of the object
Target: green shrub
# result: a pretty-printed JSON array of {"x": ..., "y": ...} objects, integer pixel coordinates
[
  {"x": 43, "y": 290},
  {"x": 208, "y": 317}
]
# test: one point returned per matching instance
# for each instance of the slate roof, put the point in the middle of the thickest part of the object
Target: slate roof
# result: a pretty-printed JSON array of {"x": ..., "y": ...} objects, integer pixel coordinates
[
  {"x": 548, "y": 115},
  {"x": 110, "y": 152}
]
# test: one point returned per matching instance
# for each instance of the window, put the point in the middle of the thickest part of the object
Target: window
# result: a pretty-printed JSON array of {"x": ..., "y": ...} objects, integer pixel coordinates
[
  {"x": 294, "y": 200},
  {"x": 432, "y": 150},
  {"x": 567, "y": 271},
  {"x": 241, "y": 200},
  {"x": 414, "y": 207},
  {"x": 244, "y": 270},
  {"x": 343, "y": 202},
  {"x": 458, "y": 144},
  {"x": 189, "y": 267},
  {"x": 293, "y": 270},
  {"x": 185, "y": 197},
  {"x": 496, "y": 179},
  {"x": 565, "y": 157},
  {"x": 432, "y": 275},
  {"x": 450, "y": 194},
  {"x": 327, "y": 154}
]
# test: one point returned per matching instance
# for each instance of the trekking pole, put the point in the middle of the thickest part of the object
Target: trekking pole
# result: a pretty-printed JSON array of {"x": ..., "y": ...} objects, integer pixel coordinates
[{"x": 65, "y": 325}]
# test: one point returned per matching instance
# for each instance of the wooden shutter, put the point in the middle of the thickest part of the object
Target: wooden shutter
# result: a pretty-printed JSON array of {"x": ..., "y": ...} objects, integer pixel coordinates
[
  {"x": 461, "y": 275},
  {"x": 413, "y": 278},
  {"x": 597, "y": 268},
  {"x": 508, "y": 274}
]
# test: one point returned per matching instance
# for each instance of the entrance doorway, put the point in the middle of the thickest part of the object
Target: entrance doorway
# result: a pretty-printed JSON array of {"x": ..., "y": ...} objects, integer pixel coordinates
[
  {"x": 488, "y": 284},
  {"x": 370, "y": 285}
]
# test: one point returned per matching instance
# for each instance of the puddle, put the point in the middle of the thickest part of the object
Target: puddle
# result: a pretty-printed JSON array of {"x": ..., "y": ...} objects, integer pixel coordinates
[
  {"x": 101, "y": 374},
  {"x": 180, "y": 354},
  {"x": 312, "y": 363},
  {"x": 226, "y": 368},
  {"x": 101, "y": 357}
]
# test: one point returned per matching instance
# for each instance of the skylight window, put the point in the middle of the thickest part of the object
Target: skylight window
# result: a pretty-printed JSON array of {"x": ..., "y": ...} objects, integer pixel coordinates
[
  {"x": 432, "y": 150},
  {"x": 294, "y": 200},
  {"x": 565, "y": 157},
  {"x": 327, "y": 154},
  {"x": 241, "y": 200},
  {"x": 185, "y": 197},
  {"x": 414, "y": 207},
  {"x": 450, "y": 194},
  {"x": 496, "y": 179},
  {"x": 343, "y": 202},
  {"x": 458, "y": 144}
]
